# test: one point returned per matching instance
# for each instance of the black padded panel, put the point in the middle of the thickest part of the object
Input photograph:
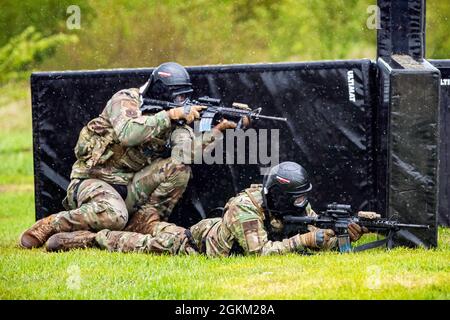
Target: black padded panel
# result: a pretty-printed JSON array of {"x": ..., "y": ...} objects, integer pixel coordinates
[
  {"x": 444, "y": 145},
  {"x": 413, "y": 136},
  {"x": 402, "y": 30},
  {"x": 326, "y": 132}
]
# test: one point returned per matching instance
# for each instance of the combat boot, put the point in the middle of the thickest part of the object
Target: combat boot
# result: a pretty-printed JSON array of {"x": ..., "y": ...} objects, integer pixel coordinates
[
  {"x": 38, "y": 234},
  {"x": 71, "y": 240},
  {"x": 144, "y": 220}
]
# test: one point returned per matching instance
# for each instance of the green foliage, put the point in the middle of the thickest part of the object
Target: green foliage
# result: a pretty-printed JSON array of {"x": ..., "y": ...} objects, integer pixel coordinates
[
  {"x": 16, "y": 158},
  {"x": 321, "y": 30},
  {"x": 26, "y": 49},
  {"x": 136, "y": 33},
  {"x": 141, "y": 34},
  {"x": 438, "y": 30},
  {"x": 48, "y": 16}
]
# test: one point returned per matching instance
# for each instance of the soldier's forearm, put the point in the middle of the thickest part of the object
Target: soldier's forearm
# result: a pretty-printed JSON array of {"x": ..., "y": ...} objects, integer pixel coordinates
[
  {"x": 140, "y": 130},
  {"x": 285, "y": 246}
]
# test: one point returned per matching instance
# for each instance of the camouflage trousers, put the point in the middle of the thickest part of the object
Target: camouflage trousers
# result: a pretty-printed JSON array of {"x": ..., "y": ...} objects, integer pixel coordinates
[
  {"x": 166, "y": 238},
  {"x": 153, "y": 192}
]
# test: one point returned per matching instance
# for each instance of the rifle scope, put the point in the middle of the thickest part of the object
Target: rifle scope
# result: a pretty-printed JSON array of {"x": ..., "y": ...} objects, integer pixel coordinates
[{"x": 339, "y": 207}]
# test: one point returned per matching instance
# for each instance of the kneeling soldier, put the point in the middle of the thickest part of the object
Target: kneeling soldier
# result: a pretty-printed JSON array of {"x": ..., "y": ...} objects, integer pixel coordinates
[{"x": 128, "y": 172}]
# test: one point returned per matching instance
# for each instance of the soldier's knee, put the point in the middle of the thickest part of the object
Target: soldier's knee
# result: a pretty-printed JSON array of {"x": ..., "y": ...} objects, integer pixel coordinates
[
  {"x": 101, "y": 238},
  {"x": 115, "y": 224},
  {"x": 179, "y": 173},
  {"x": 114, "y": 217}
]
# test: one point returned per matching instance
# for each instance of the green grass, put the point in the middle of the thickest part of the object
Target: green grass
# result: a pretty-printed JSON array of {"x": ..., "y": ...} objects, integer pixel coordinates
[
  {"x": 16, "y": 157},
  {"x": 94, "y": 274}
]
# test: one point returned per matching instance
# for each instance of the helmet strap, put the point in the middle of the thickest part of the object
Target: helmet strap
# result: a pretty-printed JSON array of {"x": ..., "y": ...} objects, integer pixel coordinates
[
  {"x": 267, "y": 213},
  {"x": 143, "y": 90}
]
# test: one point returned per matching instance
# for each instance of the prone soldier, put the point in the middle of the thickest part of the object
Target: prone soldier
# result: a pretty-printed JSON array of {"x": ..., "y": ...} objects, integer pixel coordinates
[{"x": 251, "y": 223}]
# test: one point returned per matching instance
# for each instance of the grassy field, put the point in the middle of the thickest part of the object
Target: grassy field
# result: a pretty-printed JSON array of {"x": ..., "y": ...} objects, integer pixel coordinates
[{"x": 94, "y": 274}]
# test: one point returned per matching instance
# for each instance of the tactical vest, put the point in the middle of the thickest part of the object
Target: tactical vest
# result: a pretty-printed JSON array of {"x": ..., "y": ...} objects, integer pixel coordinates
[
  {"x": 98, "y": 146},
  {"x": 99, "y": 152}
]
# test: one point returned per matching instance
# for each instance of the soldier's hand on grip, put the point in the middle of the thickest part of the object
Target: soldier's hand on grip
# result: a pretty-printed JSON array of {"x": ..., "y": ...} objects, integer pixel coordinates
[
  {"x": 246, "y": 122},
  {"x": 355, "y": 231},
  {"x": 225, "y": 124},
  {"x": 180, "y": 114},
  {"x": 318, "y": 239}
]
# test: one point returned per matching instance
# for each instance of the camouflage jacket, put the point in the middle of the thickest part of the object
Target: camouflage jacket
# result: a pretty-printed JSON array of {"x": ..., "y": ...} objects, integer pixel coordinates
[
  {"x": 243, "y": 222},
  {"x": 121, "y": 141}
]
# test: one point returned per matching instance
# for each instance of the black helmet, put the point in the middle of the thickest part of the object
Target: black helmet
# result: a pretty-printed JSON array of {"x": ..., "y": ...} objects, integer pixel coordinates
[
  {"x": 285, "y": 189},
  {"x": 167, "y": 81}
]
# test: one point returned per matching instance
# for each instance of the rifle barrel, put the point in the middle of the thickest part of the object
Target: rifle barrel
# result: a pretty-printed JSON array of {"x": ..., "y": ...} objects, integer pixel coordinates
[
  {"x": 297, "y": 219},
  {"x": 412, "y": 226},
  {"x": 167, "y": 104},
  {"x": 242, "y": 112},
  {"x": 270, "y": 118}
]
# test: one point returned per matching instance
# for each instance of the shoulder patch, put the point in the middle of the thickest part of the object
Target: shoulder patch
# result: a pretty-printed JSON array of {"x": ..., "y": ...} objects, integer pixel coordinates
[
  {"x": 251, "y": 236},
  {"x": 129, "y": 108},
  {"x": 131, "y": 113}
]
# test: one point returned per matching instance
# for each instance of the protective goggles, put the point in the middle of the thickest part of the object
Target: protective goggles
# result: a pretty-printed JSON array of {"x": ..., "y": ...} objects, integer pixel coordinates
[{"x": 301, "y": 200}]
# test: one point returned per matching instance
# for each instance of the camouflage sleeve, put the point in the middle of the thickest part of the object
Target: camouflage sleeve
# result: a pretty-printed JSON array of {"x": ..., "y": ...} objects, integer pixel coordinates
[
  {"x": 187, "y": 147},
  {"x": 133, "y": 128},
  {"x": 248, "y": 230}
]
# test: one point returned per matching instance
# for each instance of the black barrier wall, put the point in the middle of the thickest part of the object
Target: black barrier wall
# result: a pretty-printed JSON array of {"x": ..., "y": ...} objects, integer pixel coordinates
[
  {"x": 410, "y": 94},
  {"x": 402, "y": 28},
  {"x": 330, "y": 129},
  {"x": 444, "y": 147},
  {"x": 408, "y": 118}
]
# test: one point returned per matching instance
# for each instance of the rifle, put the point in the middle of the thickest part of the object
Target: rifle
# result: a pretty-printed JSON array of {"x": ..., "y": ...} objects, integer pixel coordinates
[
  {"x": 338, "y": 217},
  {"x": 215, "y": 110}
]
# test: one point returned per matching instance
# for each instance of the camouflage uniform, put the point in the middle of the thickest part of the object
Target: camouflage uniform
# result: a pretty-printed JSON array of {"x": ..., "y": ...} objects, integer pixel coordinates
[
  {"x": 242, "y": 226},
  {"x": 168, "y": 238},
  {"x": 124, "y": 148}
]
